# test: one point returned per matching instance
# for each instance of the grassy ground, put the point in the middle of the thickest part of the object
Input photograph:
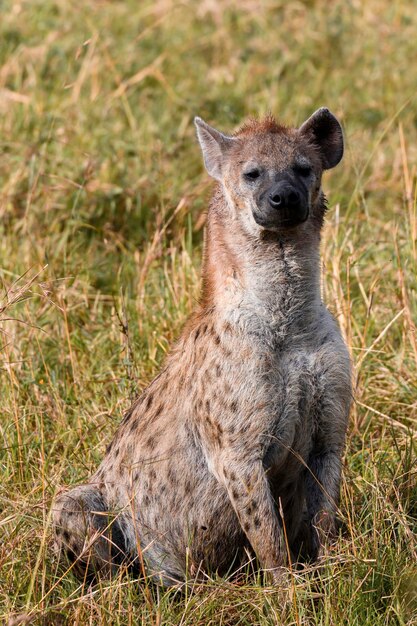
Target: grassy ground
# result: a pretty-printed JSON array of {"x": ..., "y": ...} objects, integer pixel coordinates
[{"x": 102, "y": 196}]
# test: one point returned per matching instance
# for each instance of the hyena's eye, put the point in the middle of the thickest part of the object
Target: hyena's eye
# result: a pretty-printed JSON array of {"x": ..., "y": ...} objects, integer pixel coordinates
[
  {"x": 303, "y": 170},
  {"x": 252, "y": 174}
]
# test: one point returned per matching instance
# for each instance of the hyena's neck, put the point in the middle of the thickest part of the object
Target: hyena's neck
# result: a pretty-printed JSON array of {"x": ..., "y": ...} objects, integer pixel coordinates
[{"x": 275, "y": 279}]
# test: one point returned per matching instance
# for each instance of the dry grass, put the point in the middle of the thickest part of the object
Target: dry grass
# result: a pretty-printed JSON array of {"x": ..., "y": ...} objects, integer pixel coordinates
[{"x": 101, "y": 212}]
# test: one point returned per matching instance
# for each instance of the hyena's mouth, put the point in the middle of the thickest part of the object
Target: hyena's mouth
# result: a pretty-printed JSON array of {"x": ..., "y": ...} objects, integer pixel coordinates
[{"x": 287, "y": 217}]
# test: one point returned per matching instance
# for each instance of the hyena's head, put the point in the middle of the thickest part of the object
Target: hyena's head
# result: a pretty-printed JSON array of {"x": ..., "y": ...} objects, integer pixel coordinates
[{"x": 270, "y": 174}]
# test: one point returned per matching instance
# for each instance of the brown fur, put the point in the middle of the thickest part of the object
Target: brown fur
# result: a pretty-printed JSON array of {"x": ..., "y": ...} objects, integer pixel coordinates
[{"x": 241, "y": 434}]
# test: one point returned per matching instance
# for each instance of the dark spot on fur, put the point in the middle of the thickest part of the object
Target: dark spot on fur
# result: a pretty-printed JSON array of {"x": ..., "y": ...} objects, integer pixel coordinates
[
  {"x": 233, "y": 406},
  {"x": 208, "y": 406},
  {"x": 66, "y": 535},
  {"x": 225, "y": 472},
  {"x": 187, "y": 486},
  {"x": 150, "y": 443},
  {"x": 218, "y": 371},
  {"x": 217, "y": 340},
  {"x": 204, "y": 528},
  {"x": 127, "y": 416},
  {"x": 153, "y": 474},
  {"x": 117, "y": 452},
  {"x": 246, "y": 527},
  {"x": 257, "y": 522},
  {"x": 249, "y": 510},
  {"x": 254, "y": 505},
  {"x": 159, "y": 410},
  {"x": 149, "y": 401},
  {"x": 250, "y": 482},
  {"x": 235, "y": 494},
  {"x": 146, "y": 500},
  {"x": 232, "y": 476},
  {"x": 122, "y": 467},
  {"x": 71, "y": 556},
  {"x": 197, "y": 334},
  {"x": 163, "y": 489},
  {"x": 109, "y": 447}
]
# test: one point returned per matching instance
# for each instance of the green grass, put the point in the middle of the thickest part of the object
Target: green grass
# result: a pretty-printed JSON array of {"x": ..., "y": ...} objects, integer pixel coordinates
[{"x": 102, "y": 197}]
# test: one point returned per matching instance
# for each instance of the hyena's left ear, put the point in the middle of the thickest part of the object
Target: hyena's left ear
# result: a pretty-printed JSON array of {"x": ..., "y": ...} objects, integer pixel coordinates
[{"x": 325, "y": 131}]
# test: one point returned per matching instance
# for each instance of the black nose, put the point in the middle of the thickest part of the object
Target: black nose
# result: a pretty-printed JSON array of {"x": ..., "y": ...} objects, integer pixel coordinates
[{"x": 284, "y": 196}]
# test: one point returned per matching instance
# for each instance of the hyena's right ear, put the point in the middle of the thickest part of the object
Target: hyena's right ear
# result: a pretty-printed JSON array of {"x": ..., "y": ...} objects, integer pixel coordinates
[{"x": 214, "y": 146}]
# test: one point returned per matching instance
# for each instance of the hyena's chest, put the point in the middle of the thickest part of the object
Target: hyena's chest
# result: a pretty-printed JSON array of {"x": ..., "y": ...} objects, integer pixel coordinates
[{"x": 294, "y": 406}]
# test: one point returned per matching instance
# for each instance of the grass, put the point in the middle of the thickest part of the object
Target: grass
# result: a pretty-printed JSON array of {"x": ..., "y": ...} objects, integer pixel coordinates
[{"x": 102, "y": 197}]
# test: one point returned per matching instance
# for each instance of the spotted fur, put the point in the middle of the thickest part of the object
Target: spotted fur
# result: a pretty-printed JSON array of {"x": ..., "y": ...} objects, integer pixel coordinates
[{"x": 240, "y": 436}]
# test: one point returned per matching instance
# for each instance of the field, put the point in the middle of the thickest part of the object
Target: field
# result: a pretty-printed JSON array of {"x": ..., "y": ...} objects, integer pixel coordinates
[{"x": 102, "y": 199}]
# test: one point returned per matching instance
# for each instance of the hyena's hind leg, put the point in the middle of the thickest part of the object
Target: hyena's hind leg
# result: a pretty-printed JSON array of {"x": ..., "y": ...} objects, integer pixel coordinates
[{"x": 88, "y": 534}]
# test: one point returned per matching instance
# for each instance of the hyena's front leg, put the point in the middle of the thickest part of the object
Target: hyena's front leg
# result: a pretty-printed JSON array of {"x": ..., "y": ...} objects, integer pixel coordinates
[
  {"x": 322, "y": 486},
  {"x": 324, "y": 472},
  {"x": 322, "y": 498},
  {"x": 249, "y": 492}
]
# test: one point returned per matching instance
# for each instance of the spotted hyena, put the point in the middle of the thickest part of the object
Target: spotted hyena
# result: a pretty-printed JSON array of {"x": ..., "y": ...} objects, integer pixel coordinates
[{"x": 235, "y": 447}]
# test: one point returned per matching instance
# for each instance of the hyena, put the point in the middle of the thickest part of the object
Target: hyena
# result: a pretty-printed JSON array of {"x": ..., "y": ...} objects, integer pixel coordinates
[{"x": 234, "y": 449}]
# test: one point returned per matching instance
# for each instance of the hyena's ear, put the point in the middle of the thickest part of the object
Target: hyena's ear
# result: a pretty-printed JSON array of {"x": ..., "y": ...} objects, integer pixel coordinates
[
  {"x": 325, "y": 131},
  {"x": 214, "y": 146}
]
